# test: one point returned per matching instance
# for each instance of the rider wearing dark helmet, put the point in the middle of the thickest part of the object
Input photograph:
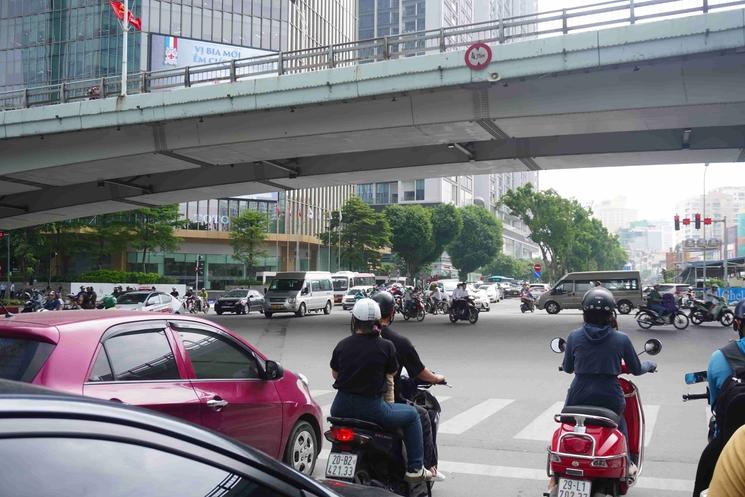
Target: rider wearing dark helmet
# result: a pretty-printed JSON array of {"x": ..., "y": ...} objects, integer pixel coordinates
[{"x": 594, "y": 353}]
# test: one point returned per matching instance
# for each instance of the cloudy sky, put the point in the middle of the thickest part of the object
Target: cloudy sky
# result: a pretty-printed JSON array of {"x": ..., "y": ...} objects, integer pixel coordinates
[{"x": 653, "y": 190}]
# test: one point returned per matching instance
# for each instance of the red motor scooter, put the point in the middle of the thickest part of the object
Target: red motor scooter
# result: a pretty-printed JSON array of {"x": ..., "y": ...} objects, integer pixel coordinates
[{"x": 587, "y": 456}]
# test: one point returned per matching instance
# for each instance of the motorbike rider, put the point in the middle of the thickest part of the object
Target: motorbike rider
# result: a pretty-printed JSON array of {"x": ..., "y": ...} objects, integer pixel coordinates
[
  {"x": 717, "y": 373},
  {"x": 712, "y": 298},
  {"x": 408, "y": 358},
  {"x": 460, "y": 295},
  {"x": 363, "y": 365},
  {"x": 594, "y": 353},
  {"x": 654, "y": 300},
  {"x": 53, "y": 302},
  {"x": 174, "y": 293},
  {"x": 89, "y": 299},
  {"x": 525, "y": 293}
]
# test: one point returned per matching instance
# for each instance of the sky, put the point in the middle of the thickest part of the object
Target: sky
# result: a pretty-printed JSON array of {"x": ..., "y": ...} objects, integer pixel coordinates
[{"x": 652, "y": 190}]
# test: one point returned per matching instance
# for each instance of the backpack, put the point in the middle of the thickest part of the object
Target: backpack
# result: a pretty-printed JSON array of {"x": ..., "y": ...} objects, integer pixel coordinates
[{"x": 730, "y": 405}]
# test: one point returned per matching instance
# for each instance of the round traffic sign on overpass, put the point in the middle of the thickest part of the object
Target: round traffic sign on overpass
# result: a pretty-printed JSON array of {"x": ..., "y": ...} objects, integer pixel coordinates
[{"x": 478, "y": 56}]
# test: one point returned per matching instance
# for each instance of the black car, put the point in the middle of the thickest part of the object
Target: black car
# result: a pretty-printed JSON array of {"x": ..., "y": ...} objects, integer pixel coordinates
[
  {"x": 240, "y": 301},
  {"x": 59, "y": 444}
]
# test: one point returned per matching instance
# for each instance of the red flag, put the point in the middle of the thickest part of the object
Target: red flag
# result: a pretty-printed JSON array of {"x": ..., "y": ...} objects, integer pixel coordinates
[{"x": 118, "y": 8}]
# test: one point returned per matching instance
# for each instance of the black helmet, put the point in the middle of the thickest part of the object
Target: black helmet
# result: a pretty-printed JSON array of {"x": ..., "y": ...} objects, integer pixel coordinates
[
  {"x": 385, "y": 302},
  {"x": 739, "y": 322},
  {"x": 599, "y": 299}
]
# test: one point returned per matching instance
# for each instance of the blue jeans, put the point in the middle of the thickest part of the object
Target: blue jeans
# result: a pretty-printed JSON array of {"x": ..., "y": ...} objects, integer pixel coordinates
[{"x": 390, "y": 416}]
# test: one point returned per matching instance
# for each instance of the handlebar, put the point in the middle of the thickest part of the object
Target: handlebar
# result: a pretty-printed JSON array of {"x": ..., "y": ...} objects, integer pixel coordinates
[{"x": 695, "y": 396}]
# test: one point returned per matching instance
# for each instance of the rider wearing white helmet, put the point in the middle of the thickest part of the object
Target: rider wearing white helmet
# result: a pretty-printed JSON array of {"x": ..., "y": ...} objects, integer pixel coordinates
[{"x": 361, "y": 365}]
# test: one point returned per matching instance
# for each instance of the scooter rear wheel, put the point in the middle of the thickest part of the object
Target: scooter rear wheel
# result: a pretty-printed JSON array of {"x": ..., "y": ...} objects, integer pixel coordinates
[
  {"x": 696, "y": 317},
  {"x": 726, "y": 318},
  {"x": 645, "y": 321},
  {"x": 680, "y": 321}
]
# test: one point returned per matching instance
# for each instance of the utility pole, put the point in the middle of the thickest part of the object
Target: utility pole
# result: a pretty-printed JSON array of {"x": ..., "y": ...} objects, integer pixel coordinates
[
  {"x": 125, "y": 41},
  {"x": 706, "y": 168}
]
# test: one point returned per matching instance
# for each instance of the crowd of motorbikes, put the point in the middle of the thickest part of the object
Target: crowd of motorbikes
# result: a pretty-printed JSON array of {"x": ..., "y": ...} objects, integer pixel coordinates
[{"x": 698, "y": 311}]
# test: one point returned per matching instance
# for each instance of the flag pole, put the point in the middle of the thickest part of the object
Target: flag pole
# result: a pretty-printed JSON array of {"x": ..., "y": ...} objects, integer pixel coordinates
[{"x": 125, "y": 40}]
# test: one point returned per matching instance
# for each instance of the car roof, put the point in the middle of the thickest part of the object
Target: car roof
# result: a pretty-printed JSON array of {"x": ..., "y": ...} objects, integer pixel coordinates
[
  {"x": 32, "y": 401},
  {"x": 51, "y": 324}
]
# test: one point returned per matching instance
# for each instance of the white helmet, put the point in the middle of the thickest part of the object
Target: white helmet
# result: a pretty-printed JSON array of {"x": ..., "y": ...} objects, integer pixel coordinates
[{"x": 366, "y": 310}]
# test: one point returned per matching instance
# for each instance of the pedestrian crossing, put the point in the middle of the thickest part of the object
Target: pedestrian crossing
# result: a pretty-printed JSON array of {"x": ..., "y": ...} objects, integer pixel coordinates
[{"x": 539, "y": 428}]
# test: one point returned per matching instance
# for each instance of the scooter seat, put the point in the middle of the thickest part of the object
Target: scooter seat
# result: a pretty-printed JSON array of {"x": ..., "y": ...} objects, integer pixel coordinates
[{"x": 605, "y": 417}]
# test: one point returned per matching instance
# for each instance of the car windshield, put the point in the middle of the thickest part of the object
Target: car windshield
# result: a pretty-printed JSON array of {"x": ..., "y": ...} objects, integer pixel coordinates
[
  {"x": 354, "y": 291},
  {"x": 235, "y": 293},
  {"x": 340, "y": 283},
  {"x": 132, "y": 298},
  {"x": 286, "y": 285}
]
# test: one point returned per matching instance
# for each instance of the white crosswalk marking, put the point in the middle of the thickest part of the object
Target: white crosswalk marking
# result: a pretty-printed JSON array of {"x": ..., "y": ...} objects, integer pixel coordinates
[
  {"x": 318, "y": 393},
  {"x": 442, "y": 398},
  {"x": 542, "y": 427},
  {"x": 650, "y": 419},
  {"x": 473, "y": 416}
]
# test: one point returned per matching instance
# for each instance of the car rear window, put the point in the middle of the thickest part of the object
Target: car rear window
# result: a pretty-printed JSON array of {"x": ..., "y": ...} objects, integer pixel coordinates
[{"x": 21, "y": 360}]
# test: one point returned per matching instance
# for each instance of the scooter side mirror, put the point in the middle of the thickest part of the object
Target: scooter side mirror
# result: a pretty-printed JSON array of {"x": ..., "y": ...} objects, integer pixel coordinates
[
  {"x": 558, "y": 345},
  {"x": 652, "y": 346}
]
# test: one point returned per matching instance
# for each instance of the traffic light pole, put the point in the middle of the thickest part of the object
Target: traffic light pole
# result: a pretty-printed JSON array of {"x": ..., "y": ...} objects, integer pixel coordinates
[{"x": 196, "y": 276}]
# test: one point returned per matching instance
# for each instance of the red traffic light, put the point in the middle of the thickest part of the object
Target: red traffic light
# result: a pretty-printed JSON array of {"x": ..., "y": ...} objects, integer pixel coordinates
[
  {"x": 686, "y": 221},
  {"x": 676, "y": 219},
  {"x": 2, "y": 234},
  {"x": 707, "y": 220},
  {"x": 697, "y": 221}
]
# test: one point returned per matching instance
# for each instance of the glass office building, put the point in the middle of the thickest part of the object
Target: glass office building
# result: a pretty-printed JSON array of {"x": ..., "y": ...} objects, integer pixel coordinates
[{"x": 46, "y": 42}]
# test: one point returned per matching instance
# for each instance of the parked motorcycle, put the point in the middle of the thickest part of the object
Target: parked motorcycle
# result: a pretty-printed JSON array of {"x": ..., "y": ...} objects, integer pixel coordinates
[
  {"x": 527, "y": 304},
  {"x": 721, "y": 312},
  {"x": 588, "y": 453},
  {"x": 366, "y": 453},
  {"x": 468, "y": 312},
  {"x": 413, "y": 308},
  {"x": 646, "y": 318}
]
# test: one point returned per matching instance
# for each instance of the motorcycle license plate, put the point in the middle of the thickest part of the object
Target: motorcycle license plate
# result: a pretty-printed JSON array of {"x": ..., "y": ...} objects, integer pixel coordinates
[
  {"x": 341, "y": 465},
  {"x": 574, "y": 488}
]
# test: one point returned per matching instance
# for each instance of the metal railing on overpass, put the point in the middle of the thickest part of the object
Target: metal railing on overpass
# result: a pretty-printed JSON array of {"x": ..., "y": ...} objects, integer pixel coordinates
[{"x": 551, "y": 23}]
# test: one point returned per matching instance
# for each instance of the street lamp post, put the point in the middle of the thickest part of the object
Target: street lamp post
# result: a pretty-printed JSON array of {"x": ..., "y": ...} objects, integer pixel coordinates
[{"x": 125, "y": 34}]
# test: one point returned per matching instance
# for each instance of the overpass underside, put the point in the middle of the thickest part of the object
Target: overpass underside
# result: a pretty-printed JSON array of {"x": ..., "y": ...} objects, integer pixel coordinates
[{"x": 549, "y": 109}]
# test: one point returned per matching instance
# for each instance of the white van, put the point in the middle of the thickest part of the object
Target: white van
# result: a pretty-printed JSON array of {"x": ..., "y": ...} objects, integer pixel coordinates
[
  {"x": 299, "y": 292},
  {"x": 568, "y": 292}
]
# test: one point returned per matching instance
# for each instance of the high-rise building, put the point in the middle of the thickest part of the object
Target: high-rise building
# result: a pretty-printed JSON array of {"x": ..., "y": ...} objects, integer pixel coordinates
[{"x": 614, "y": 213}]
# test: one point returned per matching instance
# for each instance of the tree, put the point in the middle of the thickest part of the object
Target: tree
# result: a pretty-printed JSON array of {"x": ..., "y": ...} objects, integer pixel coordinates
[
  {"x": 363, "y": 232},
  {"x": 247, "y": 232},
  {"x": 412, "y": 235},
  {"x": 447, "y": 224},
  {"x": 479, "y": 242},
  {"x": 111, "y": 233},
  {"x": 511, "y": 267},
  {"x": 155, "y": 229},
  {"x": 567, "y": 235}
]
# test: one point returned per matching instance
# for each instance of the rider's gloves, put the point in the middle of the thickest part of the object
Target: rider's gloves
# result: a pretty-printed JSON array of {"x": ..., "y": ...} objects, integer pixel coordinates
[{"x": 649, "y": 366}]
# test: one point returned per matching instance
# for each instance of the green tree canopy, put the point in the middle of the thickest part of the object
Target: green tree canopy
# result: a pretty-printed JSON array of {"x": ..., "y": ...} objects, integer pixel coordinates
[
  {"x": 567, "y": 235},
  {"x": 247, "y": 233},
  {"x": 511, "y": 267},
  {"x": 479, "y": 242},
  {"x": 447, "y": 224},
  {"x": 363, "y": 233},
  {"x": 155, "y": 229},
  {"x": 412, "y": 235}
]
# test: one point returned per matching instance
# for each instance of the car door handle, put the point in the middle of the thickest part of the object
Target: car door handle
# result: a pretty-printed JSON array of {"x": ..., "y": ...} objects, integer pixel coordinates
[{"x": 216, "y": 403}]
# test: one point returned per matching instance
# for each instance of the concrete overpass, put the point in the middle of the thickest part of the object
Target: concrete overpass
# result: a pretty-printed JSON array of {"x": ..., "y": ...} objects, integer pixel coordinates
[{"x": 661, "y": 92}]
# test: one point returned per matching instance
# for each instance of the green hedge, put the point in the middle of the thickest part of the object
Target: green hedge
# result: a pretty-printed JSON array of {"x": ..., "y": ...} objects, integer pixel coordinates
[{"x": 109, "y": 276}]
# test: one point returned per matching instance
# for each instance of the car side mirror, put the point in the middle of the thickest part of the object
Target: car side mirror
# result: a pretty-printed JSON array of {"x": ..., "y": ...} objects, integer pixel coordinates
[
  {"x": 305, "y": 291},
  {"x": 558, "y": 345},
  {"x": 652, "y": 346},
  {"x": 274, "y": 370}
]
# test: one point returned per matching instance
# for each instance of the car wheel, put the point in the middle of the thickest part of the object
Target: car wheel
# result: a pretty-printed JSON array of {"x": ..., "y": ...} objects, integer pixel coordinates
[
  {"x": 624, "y": 307},
  {"x": 218, "y": 311},
  {"x": 552, "y": 307},
  {"x": 268, "y": 315},
  {"x": 301, "y": 311},
  {"x": 327, "y": 309},
  {"x": 302, "y": 449}
]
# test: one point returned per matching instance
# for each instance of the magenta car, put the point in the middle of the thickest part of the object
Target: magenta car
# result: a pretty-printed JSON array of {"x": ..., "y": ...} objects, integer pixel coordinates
[{"x": 184, "y": 366}]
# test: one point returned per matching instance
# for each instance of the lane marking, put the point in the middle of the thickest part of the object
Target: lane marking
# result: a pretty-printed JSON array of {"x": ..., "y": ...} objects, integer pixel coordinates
[
  {"x": 649, "y": 482},
  {"x": 473, "y": 416},
  {"x": 542, "y": 427},
  {"x": 443, "y": 398},
  {"x": 650, "y": 419}
]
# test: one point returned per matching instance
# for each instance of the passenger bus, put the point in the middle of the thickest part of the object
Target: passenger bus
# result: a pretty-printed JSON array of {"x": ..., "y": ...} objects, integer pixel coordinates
[
  {"x": 501, "y": 279},
  {"x": 344, "y": 280}
]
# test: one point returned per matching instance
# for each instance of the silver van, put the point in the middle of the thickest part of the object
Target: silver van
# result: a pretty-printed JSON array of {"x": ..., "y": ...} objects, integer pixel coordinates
[
  {"x": 299, "y": 292},
  {"x": 568, "y": 292}
]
